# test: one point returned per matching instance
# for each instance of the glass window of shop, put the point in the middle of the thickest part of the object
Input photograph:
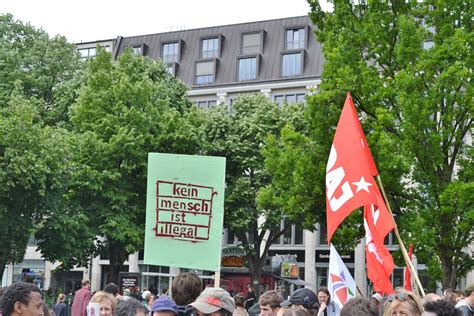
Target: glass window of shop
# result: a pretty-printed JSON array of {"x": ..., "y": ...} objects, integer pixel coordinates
[
  {"x": 30, "y": 270},
  {"x": 155, "y": 278}
]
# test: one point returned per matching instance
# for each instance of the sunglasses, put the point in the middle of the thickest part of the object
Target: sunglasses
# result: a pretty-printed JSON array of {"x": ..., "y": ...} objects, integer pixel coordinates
[{"x": 402, "y": 297}]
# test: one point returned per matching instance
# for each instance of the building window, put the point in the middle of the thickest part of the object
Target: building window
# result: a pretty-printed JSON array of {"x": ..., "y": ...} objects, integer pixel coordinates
[
  {"x": 295, "y": 38},
  {"x": 137, "y": 50},
  {"x": 205, "y": 72},
  {"x": 170, "y": 53},
  {"x": 87, "y": 52},
  {"x": 289, "y": 98},
  {"x": 210, "y": 48},
  {"x": 251, "y": 43},
  {"x": 292, "y": 236},
  {"x": 247, "y": 69},
  {"x": 292, "y": 64},
  {"x": 206, "y": 104}
]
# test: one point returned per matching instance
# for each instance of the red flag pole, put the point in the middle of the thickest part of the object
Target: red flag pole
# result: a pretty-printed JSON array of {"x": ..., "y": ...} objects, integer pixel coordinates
[{"x": 402, "y": 246}]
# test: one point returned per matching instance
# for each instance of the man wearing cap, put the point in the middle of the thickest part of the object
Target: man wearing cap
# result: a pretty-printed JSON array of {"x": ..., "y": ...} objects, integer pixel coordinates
[
  {"x": 303, "y": 298},
  {"x": 164, "y": 306},
  {"x": 214, "y": 301},
  {"x": 465, "y": 307}
]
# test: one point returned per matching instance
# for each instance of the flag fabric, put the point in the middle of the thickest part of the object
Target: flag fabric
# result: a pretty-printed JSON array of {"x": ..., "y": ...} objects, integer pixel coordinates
[
  {"x": 407, "y": 271},
  {"x": 383, "y": 220},
  {"x": 378, "y": 259},
  {"x": 350, "y": 170},
  {"x": 341, "y": 285}
]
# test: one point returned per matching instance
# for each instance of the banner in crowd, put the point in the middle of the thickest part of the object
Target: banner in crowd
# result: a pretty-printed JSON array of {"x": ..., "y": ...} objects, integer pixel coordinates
[
  {"x": 341, "y": 284},
  {"x": 184, "y": 211}
]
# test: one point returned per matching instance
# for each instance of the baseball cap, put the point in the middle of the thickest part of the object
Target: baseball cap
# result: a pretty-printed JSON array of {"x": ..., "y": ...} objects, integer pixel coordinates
[
  {"x": 303, "y": 297},
  {"x": 213, "y": 299},
  {"x": 470, "y": 288},
  {"x": 164, "y": 303}
]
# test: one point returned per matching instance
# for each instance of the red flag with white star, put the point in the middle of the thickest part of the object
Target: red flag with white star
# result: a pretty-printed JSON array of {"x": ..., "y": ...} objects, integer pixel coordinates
[{"x": 350, "y": 170}]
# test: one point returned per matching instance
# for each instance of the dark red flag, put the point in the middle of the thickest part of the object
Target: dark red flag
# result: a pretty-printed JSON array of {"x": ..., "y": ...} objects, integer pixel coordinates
[
  {"x": 407, "y": 271},
  {"x": 379, "y": 260},
  {"x": 350, "y": 170}
]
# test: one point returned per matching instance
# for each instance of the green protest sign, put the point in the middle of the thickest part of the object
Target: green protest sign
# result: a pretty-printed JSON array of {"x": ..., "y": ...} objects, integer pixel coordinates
[{"x": 184, "y": 211}]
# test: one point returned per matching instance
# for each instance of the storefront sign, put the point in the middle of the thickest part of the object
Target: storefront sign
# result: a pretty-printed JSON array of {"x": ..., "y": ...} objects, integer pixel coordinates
[
  {"x": 185, "y": 211},
  {"x": 129, "y": 280},
  {"x": 233, "y": 262},
  {"x": 323, "y": 256}
]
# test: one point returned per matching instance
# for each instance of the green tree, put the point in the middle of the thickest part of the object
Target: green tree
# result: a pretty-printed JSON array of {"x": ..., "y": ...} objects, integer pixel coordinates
[
  {"x": 126, "y": 109},
  {"x": 239, "y": 135},
  {"x": 409, "y": 68},
  {"x": 33, "y": 166},
  {"x": 42, "y": 64}
]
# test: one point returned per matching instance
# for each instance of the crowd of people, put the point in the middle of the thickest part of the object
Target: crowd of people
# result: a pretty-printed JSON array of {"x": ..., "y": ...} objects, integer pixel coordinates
[{"x": 188, "y": 299}]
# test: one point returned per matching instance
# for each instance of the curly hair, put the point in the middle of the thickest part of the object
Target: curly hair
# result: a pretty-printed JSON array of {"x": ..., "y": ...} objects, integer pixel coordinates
[
  {"x": 441, "y": 308},
  {"x": 17, "y": 292},
  {"x": 271, "y": 298}
]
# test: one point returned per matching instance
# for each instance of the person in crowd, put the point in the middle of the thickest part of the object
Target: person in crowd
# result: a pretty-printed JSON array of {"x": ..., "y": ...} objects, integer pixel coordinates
[
  {"x": 107, "y": 303},
  {"x": 60, "y": 308},
  {"x": 360, "y": 306},
  {"x": 46, "y": 311},
  {"x": 22, "y": 299},
  {"x": 465, "y": 307},
  {"x": 452, "y": 296},
  {"x": 164, "y": 291},
  {"x": 126, "y": 294},
  {"x": 2, "y": 289},
  {"x": 131, "y": 307},
  {"x": 404, "y": 303},
  {"x": 239, "y": 305},
  {"x": 113, "y": 289},
  {"x": 150, "y": 299},
  {"x": 326, "y": 306},
  {"x": 145, "y": 295},
  {"x": 81, "y": 299},
  {"x": 251, "y": 297},
  {"x": 438, "y": 308},
  {"x": 185, "y": 288},
  {"x": 430, "y": 297},
  {"x": 135, "y": 293},
  {"x": 302, "y": 298},
  {"x": 214, "y": 301},
  {"x": 269, "y": 303},
  {"x": 164, "y": 306},
  {"x": 298, "y": 311}
]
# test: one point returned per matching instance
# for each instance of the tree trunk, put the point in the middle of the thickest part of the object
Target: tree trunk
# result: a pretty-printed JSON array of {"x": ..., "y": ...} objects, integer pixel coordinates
[
  {"x": 256, "y": 267},
  {"x": 117, "y": 256},
  {"x": 450, "y": 277},
  {"x": 2, "y": 268}
]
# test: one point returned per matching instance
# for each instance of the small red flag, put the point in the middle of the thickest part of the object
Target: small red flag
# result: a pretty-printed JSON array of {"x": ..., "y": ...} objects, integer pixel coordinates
[
  {"x": 379, "y": 260},
  {"x": 350, "y": 170},
  {"x": 407, "y": 271}
]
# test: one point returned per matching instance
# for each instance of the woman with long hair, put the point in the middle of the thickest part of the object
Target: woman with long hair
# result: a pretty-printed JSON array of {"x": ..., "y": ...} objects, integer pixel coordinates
[{"x": 60, "y": 308}]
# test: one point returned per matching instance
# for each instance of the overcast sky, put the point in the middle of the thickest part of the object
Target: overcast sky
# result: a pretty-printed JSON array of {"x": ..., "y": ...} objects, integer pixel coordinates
[{"x": 88, "y": 20}]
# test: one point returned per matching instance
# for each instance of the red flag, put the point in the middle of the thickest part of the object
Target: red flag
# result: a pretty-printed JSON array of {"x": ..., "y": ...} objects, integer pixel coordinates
[
  {"x": 383, "y": 220},
  {"x": 379, "y": 260},
  {"x": 350, "y": 170},
  {"x": 407, "y": 271}
]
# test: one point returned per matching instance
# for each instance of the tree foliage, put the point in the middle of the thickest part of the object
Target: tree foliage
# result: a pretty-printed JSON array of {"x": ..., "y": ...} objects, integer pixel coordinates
[
  {"x": 125, "y": 109},
  {"x": 42, "y": 64},
  {"x": 240, "y": 135},
  {"x": 409, "y": 68}
]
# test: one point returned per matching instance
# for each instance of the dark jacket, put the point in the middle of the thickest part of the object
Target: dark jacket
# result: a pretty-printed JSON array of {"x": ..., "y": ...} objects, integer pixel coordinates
[{"x": 60, "y": 309}]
